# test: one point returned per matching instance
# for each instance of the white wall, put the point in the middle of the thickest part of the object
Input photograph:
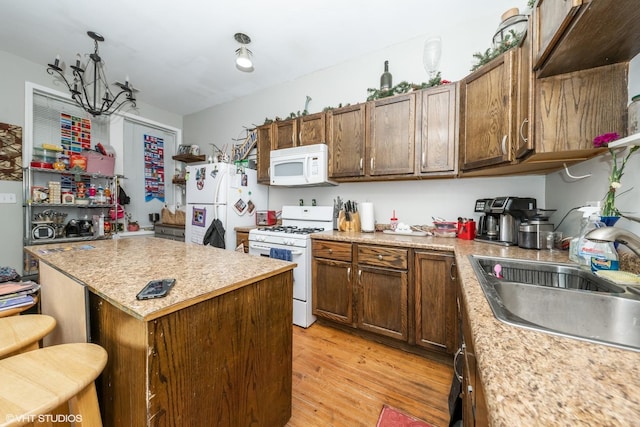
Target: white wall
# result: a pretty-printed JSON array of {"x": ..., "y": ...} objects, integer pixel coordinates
[
  {"x": 415, "y": 201},
  {"x": 15, "y": 72}
]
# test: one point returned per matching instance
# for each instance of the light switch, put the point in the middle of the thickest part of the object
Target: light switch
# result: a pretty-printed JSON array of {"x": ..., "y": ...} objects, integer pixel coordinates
[{"x": 7, "y": 198}]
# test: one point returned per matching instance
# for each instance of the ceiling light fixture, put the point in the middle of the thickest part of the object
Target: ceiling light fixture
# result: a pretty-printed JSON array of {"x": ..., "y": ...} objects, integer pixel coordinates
[
  {"x": 243, "y": 60},
  {"x": 90, "y": 89}
]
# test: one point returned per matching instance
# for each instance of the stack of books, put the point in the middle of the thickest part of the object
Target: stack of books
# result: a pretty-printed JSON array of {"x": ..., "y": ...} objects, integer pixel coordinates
[{"x": 17, "y": 294}]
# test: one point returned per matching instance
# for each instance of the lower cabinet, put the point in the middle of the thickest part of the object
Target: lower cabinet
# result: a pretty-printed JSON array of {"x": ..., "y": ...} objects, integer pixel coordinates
[
  {"x": 242, "y": 237},
  {"x": 435, "y": 289},
  {"x": 400, "y": 293},
  {"x": 171, "y": 232},
  {"x": 332, "y": 296},
  {"x": 383, "y": 290},
  {"x": 474, "y": 407}
]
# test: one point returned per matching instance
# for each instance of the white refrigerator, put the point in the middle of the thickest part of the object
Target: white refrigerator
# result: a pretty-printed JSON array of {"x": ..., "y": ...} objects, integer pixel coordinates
[{"x": 225, "y": 192}]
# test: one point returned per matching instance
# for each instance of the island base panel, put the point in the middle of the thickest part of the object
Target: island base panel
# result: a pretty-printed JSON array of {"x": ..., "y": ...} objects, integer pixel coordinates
[{"x": 225, "y": 361}]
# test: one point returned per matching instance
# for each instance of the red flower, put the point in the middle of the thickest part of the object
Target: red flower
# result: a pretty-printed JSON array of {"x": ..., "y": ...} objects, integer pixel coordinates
[{"x": 604, "y": 139}]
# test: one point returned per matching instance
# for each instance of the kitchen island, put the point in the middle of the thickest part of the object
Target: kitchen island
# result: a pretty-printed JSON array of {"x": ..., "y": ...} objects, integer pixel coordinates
[
  {"x": 216, "y": 351},
  {"x": 530, "y": 378}
]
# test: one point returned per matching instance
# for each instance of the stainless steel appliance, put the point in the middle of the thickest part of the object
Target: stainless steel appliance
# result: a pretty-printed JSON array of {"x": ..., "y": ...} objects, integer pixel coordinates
[
  {"x": 532, "y": 227},
  {"x": 298, "y": 222},
  {"x": 501, "y": 218}
]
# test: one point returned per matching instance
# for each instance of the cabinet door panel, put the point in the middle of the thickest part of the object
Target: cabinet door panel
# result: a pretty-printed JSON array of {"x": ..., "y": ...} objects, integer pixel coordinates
[
  {"x": 438, "y": 130},
  {"x": 332, "y": 290},
  {"x": 552, "y": 18},
  {"x": 392, "y": 137},
  {"x": 312, "y": 129},
  {"x": 285, "y": 134},
  {"x": 382, "y": 302},
  {"x": 488, "y": 104},
  {"x": 435, "y": 301},
  {"x": 265, "y": 138},
  {"x": 347, "y": 141}
]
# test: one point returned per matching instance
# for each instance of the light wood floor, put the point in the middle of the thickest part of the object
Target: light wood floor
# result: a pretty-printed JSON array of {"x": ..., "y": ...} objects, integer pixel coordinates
[{"x": 343, "y": 380}]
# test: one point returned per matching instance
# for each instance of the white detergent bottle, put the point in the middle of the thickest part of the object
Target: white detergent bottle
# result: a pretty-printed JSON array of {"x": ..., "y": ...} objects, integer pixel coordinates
[{"x": 595, "y": 255}]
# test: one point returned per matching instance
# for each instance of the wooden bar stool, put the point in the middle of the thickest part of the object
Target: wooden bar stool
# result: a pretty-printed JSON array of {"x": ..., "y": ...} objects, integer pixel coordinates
[
  {"x": 37, "y": 382},
  {"x": 23, "y": 333}
]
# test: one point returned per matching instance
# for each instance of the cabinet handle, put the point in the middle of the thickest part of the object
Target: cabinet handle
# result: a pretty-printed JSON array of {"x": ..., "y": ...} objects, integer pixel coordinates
[
  {"x": 330, "y": 251},
  {"x": 361, "y": 163},
  {"x": 455, "y": 362},
  {"x": 380, "y": 257},
  {"x": 504, "y": 144},
  {"x": 348, "y": 273},
  {"x": 372, "y": 163},
  {"x": 452, "y": 270},
  {"x": 524, "y": 122},
  {"x": 359, "y": 275},
  {"x": 424, "y": 155}
]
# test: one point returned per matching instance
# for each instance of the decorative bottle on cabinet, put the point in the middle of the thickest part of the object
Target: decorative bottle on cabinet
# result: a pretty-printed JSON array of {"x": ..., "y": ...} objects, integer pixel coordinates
[{"x": 385, "y": 78}]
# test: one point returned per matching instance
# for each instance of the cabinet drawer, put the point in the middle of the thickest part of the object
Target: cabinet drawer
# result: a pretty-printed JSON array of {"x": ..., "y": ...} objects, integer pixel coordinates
[
  {"x": 169, "y": 232},
  {"x": 332, "y": 250},
  {"x": 383, "y": 257}
]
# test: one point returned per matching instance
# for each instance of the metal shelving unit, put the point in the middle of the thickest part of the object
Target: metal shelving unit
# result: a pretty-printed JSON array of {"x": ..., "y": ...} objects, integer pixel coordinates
[{"x": 36, "y": 177}]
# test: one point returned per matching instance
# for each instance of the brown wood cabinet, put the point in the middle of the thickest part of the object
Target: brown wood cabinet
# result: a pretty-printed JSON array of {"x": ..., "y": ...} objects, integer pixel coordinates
[
  {"x": 265, "y": 138},
  {"x": 404, "y": 297},
  {"x": 304, "y": 130},
  {"x": 332, "y": 296},
  {"x": 573, "y": 35},
  {"x": 437, "y": 130},
  {"x": 488, "y": 107},
  {"x": 383, "y": 291},
  {"x": 313, "y": 129},
  {"x": 391, "y": 142},
  {"x": 346, "y": 141},
  {"x": 285, "y": 134},
  {"x": 242, "y": 237},
  {"x": 435, "y": 301},
  {"x": 524, "y": 142},
  {"x": 474, "y": 406}
]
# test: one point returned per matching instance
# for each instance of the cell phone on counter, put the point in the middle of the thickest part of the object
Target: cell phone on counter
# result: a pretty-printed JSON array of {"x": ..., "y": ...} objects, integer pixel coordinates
[{"x": 156, "y": 289}]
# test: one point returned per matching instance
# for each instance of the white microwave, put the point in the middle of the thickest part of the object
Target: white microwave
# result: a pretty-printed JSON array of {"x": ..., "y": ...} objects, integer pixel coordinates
[{"x": 304, "y": 166}]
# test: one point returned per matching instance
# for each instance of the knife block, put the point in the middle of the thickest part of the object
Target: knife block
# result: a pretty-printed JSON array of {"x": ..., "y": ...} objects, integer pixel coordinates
[{"x": 353, "y": 224}]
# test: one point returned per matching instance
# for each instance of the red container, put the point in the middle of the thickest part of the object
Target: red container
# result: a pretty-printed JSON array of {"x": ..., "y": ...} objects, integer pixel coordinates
[{"x": 467, "y": 230}]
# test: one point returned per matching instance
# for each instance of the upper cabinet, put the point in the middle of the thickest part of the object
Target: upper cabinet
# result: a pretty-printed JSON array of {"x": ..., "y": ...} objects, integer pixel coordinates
[
  {"x": 487, "y": 104},
  {"x": 312, "y": 129},
  {"x": 285, "y": 134},
  {"x": 265, "y": 137},
  {"x": 391, "y": 142},
  {"x": 304, "y": 130},
  {"x": 346, "y": 139},
  {"x": 573, "y": 35},
  {"x": 437, "y": 130}
]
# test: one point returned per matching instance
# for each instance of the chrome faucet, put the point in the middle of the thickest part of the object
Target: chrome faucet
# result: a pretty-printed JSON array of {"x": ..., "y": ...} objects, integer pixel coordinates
[{"x": 614, "y": 234}]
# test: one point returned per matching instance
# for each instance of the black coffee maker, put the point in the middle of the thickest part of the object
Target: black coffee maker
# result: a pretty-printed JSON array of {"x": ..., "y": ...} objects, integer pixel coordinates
[{"x": 501, "y": 217}]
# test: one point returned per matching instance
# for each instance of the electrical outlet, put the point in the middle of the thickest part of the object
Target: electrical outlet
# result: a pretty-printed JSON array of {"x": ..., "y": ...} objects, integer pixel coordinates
[{"x": 8, "y": 198}]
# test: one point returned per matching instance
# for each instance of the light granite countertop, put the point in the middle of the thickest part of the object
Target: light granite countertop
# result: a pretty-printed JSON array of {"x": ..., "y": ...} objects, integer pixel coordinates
[
  {"x": 531, "y": 378},
  {"x": 118, "y": 269}
]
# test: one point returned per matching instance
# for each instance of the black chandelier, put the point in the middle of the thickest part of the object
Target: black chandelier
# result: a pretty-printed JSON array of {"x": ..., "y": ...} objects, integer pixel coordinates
[{"x": 91, "y": 92}]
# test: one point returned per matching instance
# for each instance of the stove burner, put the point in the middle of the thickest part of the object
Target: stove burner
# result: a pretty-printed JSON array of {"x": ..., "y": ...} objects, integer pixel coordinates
[{"x": 291, "y": 229}]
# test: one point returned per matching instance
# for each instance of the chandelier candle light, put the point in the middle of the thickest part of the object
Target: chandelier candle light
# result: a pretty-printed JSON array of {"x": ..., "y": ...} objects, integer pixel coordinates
[
  {"x": 91, "y": 92},
  {"x": 609, "y": 208}
]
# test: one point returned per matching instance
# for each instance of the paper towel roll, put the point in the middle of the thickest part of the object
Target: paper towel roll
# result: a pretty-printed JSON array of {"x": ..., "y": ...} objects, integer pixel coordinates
[{"x": 367, "y": 222}]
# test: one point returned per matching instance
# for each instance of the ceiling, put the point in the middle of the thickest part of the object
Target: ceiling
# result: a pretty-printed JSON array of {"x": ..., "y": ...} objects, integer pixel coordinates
[{"x": 180, "y": 54}]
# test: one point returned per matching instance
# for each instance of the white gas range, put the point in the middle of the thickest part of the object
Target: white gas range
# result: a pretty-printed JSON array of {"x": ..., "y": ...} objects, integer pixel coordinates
[{"x": 293, "y": 236}]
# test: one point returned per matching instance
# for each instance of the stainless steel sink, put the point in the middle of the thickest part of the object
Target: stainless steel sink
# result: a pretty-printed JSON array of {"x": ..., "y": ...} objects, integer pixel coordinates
[{"x": 560, "y": 299}]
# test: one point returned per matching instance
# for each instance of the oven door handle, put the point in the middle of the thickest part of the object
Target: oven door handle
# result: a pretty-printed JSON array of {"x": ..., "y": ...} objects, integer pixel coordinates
[{"x": 268, "y": 248}]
